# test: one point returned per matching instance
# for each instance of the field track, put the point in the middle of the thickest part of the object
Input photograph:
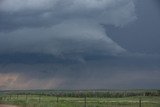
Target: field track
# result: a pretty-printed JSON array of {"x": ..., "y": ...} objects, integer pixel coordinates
[{"x": 3, "y": 105}]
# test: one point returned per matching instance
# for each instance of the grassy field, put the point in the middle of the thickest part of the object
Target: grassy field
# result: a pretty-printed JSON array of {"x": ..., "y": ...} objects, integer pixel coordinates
[{"x": 42, "y": 100}]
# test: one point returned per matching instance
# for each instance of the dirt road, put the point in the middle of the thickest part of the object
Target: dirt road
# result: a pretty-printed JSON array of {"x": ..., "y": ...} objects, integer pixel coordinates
[{"x": 3, "y": 105}]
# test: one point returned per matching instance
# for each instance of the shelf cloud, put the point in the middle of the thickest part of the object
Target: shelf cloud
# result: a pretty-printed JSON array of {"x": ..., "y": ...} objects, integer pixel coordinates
[
  {"x": 64, "y": 43},
  {"x": 59, "y": 26}
]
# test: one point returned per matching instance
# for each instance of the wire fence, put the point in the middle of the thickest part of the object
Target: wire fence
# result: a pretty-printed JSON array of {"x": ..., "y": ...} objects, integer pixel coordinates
[{"x": 58, "y": 101}]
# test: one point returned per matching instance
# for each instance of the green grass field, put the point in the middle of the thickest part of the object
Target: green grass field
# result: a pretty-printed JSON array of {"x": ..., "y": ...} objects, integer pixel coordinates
[{"x": 31, "y": 100}]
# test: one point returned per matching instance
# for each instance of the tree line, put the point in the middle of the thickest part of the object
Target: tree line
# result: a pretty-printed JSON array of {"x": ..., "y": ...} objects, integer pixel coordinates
[{"x": 88, "y": 93}]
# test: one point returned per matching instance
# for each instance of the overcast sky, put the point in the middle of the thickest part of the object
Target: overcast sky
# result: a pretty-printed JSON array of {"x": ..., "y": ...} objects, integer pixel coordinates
[{"x": 79, "y": 44}]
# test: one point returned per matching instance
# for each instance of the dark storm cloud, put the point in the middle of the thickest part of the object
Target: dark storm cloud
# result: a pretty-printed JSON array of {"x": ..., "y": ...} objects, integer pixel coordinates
[
  {"x": 120, "y": 72},
  {"x": 19, "y": 14},
  {"x": 143, "y": 35},
  {"x": 68, "y": 44},
  {"x": 60, "y": 27},
  {"x": 13, "y": 21}
]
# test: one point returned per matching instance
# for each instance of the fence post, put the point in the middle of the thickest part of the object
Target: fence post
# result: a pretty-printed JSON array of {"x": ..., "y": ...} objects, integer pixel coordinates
[
  {"x": 1, "y": 98},
  {"x": 26, "y": 98},
  {"x": 39, "y": 98},
  {"x": 17, "y": 96},
  {"x": 10, "y": 97},
  {"x": 57, "y": 98},
  {"x": 85, "y": 101},
  {"x": 4, "y": 98},
  {"x": 140, "y": 102}
]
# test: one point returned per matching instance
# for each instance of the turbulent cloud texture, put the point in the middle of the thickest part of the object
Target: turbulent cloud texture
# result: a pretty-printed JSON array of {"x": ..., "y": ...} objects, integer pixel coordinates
[
  {"x": 62, "y": 27},
  {"x": 64, "y": 44}
]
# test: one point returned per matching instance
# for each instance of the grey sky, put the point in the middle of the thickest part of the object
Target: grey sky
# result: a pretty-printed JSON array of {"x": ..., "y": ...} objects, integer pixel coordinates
[
  {"x": 142, "y": 35},
  {"x": 79, "y": 44}
]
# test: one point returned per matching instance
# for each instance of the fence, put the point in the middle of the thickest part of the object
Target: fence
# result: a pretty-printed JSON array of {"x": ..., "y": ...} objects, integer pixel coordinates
[{"x": 30, "y": 100}]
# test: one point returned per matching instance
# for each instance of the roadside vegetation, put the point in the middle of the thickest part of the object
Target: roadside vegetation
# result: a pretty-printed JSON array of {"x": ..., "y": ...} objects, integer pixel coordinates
[{"x": 82, "y": 98}]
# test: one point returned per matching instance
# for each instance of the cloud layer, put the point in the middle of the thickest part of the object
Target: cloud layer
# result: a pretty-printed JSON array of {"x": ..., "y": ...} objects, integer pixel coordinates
[
  {"x": 38, "y": 13},
  {"x": 110, "y": 73},
  {"x": 62, "y": 27},
  {"x": 64, "y": 43}
]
